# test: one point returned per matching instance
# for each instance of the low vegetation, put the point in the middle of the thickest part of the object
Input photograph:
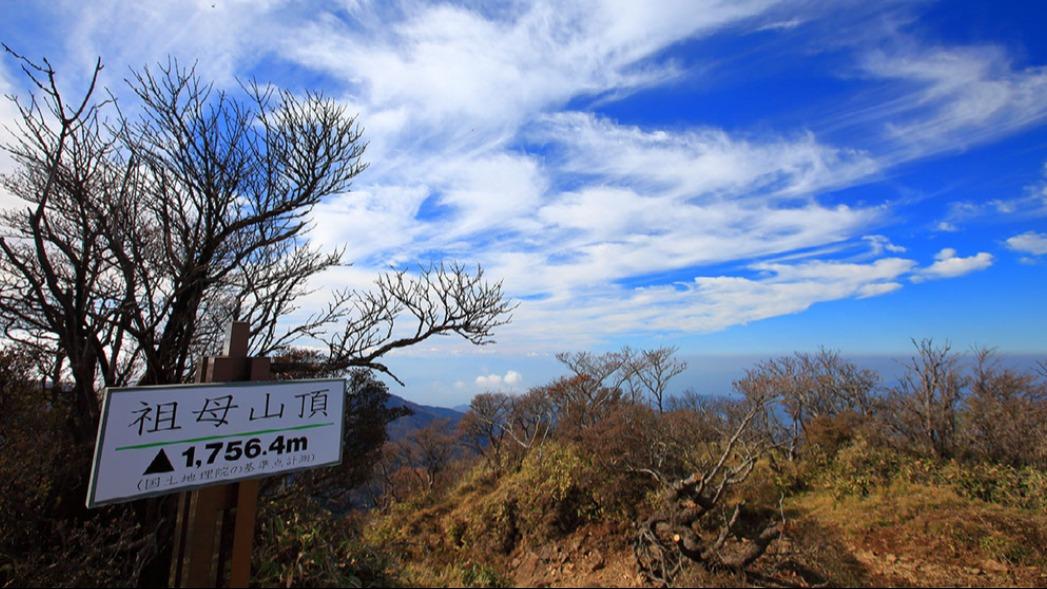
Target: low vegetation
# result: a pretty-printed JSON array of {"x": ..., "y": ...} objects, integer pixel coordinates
[{"x": 815, "y": 473}]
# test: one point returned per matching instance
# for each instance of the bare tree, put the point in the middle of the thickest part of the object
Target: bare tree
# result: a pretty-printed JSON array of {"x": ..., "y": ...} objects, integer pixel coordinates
[
  {"x": 1005, "y": 413},
  {"x": 839, "y": 385},
  {"x": 483, "y": 428},
  {"x": 531, "y": 420},
  {"x": 506, "y": 428},
  {"x": 384, "y": 488},
  {"x": 441, "y": 300},
  {"x": 675, "y": 534},
  {"x": 653, "y": 369},
  {"x": 596, "y": 384},
  {"x": 923, "y": 405},
  {"x": 145, "y": 230},
  {"x": 608, "y": 370},
  {"x": 54, "y": 290},
  {"x": 146, "y": 234},
  {"x": 809, "y": 386},
  {"x": 428, "y": 452}
]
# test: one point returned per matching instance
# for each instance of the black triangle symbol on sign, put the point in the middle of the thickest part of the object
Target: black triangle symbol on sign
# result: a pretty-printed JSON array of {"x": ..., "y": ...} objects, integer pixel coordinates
[{"x": 159, "y": 464}]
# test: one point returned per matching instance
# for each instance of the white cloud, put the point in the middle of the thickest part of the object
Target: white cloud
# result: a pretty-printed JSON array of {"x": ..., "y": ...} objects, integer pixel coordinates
[
  {"x": 512, "y": 378},
  {"x": 490, "y": 192},
  {"x": 704, "y": 304},
  {"x": 649, "y": 200},
  {"x": 880, "y": 243},
  {"x": 1031, "y": 203},
  {"x": 455, "y": 92},
  {"x": 377, "y": 222},
  {"x": 215, "y": 36},
  {"x": 1029, "y": 242},
  {"x": 703, "y": 162},
  {"x": 8, "y": 116},
  {"x": 496, "y": 381},
  {"x": 781, "y": 25},
  {"x": 948, "y": 265},
  {"x": 474, "y": 156},
  {"x": 791, "y": 288},
  {"x": 466, "y": 79},
  {"x": 951, "y": 97},
  {"x": 655, "y": 201}
]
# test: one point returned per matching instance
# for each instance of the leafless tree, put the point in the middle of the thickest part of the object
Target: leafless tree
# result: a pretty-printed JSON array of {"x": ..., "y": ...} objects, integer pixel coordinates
[
  {"x": 653, "y": 369},
  {"x": 441, "y": 300},
  {"x": 506, "y": 427},
  {"x": 597, "y": 382},
  {"x": 483, "y": 428},
  {"x": 55, "y": 291},
  {"x": 145, "y": 234},
  {"x": 383, "y": 489},
  {"x": 679, "y": 530},
  {"x": 143, "y": 231},
  {"x": 531, "y": 420},
  {"x": 839, "y": 385},
  {"x": 1005, "y": 413},
  {"x": 609, "y": 370},
  {"x": 428, "y": 452},
  {"x": 923, "y": 406},
  {"x": 809, "y": 386}
]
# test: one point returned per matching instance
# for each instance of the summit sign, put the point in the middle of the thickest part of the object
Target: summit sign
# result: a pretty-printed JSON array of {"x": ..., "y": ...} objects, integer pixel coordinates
[{"x": 164, "y": 439}]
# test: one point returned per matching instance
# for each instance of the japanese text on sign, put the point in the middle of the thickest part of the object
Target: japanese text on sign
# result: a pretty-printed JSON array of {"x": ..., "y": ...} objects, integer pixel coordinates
[{"x": 157, "y": 440}]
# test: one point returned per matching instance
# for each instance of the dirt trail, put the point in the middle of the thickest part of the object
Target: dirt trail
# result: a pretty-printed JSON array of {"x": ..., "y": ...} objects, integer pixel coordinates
[{"x": 591, "y": 557}]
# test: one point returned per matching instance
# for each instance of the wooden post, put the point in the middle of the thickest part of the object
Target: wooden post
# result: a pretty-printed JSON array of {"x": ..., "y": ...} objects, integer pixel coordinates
[{"x": 212, "y": 519}]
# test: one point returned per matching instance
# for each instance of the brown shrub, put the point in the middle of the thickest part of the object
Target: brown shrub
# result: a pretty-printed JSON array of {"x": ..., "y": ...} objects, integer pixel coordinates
[
  {"x": 829, "y": 433},
  {"x": 47, "y": 538}
]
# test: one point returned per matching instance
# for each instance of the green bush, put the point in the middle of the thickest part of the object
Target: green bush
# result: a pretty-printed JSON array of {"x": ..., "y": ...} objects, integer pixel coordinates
[
  {"x": 1024, "y": 487},
  {"x": 555, "y": 492},
  {"x": 860, "y": 468},
  {"x": 547, "y": 498},
  {"x": 1004, "y": 549}
]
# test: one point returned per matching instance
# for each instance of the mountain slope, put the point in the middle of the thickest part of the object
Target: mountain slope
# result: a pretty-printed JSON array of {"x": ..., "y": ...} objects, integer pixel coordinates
[{"x": 423, "y": 416}]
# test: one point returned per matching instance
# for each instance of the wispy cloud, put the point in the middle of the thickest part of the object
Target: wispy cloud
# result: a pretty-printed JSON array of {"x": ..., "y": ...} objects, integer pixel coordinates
[
  {"x": 879, "y": 244},
  {"x": 702, "y": 162},
  {"x": 1030, "y": 203},
  {"x": 484, "y": 146},
  {"x": 953, "y": 97}
]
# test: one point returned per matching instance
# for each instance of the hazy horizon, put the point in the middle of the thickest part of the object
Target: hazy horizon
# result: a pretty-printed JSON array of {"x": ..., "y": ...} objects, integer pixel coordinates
[
  {"x": 740, "y": 178},
  {"x": 706, "y": 374}
]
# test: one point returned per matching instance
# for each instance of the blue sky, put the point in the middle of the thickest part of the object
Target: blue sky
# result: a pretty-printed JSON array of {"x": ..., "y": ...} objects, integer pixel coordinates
[{"x": 733, "y": 178}]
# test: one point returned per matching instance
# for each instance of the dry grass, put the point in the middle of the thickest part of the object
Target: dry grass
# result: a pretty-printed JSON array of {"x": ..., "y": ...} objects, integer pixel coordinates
[
  {"x": 537, "y": 527},
  {"x": 928, "y": 536}
]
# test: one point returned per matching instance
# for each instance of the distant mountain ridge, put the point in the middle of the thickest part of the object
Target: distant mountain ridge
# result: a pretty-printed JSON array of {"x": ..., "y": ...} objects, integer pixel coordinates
[{"x": 422, "y": 417}]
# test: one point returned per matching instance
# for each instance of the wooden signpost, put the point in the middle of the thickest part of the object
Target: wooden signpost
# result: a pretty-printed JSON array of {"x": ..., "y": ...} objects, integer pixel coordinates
[{"x": 213, "y": 442}]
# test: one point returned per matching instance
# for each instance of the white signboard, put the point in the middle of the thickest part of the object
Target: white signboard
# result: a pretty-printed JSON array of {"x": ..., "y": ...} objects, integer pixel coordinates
[{"x": 162, "y": 439}]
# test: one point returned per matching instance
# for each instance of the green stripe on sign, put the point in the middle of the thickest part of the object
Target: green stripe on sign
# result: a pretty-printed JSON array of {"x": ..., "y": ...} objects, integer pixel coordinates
[{"x": 206, "y": 438}]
